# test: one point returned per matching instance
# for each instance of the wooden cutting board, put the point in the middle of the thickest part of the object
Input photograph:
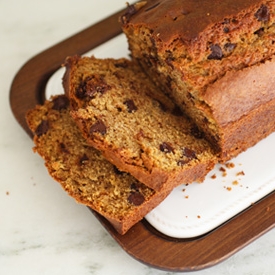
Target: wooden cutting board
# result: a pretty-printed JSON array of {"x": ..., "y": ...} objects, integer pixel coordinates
[{"x": 142, "y": 241}]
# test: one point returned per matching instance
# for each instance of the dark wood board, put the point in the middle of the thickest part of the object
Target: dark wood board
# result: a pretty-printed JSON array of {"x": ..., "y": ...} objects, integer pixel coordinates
[{"x": 142, "y": 241}]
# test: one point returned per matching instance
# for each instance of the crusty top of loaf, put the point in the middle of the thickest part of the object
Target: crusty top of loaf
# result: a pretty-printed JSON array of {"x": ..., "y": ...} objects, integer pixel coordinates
[{"x": 187, "y": 19}]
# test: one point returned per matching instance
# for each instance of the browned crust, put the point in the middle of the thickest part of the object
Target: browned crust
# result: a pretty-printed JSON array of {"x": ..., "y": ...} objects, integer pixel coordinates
[
  {"x": 248, "y": 130},
  {"x": 190, "y": 20},
  {"x": 239, "y": 92}
]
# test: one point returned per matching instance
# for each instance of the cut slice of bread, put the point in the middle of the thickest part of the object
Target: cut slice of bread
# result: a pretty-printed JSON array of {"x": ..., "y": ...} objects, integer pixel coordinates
[
  {"x": 122, "y": 113},
  {"x": 83, "y": 172}
]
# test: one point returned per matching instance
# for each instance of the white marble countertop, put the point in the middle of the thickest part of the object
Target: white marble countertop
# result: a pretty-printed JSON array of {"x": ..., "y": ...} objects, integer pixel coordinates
[{"x": 43, "y": 231}]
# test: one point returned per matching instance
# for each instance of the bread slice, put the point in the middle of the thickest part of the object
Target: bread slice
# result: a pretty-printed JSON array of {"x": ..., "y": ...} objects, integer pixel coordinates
[
  {"x": 216, "y": 60},
  {"x": 140, "y": 130},
  {"x": 82, "y": 171}
]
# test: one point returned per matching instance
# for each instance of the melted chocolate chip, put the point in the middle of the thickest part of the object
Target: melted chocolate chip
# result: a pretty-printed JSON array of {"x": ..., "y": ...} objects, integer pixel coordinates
[
  {"x": 196, "y": 132},
  {"x": 136, "y": 198},
  {"x": 98, "y": 127},
  {"x": 60, "y": 102},
  {"x": 42, "y": 128},
  {"x": 96, "y": 85},
  {"x": 262, "y": 14},
  {"x": 216, "y": 52},
  {"x": 91, "y": 86},
  {"x": 229, "y": 47},
  {"x": 130, "y": 106},
  {"x": 83, "y": 160},
  {"x": 80, "y": 91},
  {"x": 190, "y": 154},
  {"x": 166, "y": 148}
]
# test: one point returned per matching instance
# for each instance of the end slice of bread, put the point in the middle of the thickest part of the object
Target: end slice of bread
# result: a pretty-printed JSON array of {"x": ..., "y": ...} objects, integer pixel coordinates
[{"x": 83, "y": 172}]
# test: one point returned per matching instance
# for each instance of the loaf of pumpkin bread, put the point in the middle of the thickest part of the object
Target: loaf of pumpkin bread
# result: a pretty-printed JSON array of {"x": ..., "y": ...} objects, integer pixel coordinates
[
  {"x": 215, "y": 59},
  {"x": 141, "y": 131}
]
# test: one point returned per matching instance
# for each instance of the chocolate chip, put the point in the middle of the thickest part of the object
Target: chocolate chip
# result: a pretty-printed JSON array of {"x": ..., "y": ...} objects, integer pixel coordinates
[
  {"x": 262, "y": 14},
  {"x": 190, "y": 154},
  {"x": 229, "y": 47},
  {"x": 83, "y": 160},
  {"x": 60, "y": 102},
  {"x": 42, "y": 128},
  {"x": 80, "y": 91},
  {"x": 136, "y": 198},
  {"x": 166, "y": 148},
  {"x": 196, "y": 132},
  {"x": 95, "y": 85},
  {"x": 130, "y": 105},
  {"x": 98, "y": 127},
  {"x": 91, "y": 86},
  {"x": 216, "y": 52}
]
